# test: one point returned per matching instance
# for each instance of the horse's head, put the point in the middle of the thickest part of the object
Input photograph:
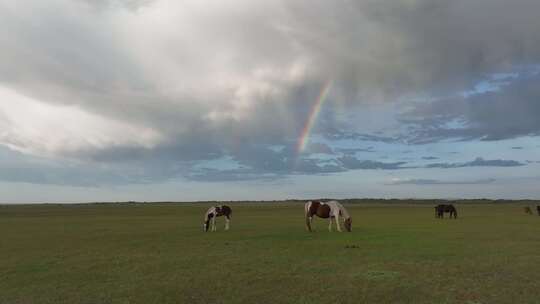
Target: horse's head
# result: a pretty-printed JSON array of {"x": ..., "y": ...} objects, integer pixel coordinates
[
  {"x": 206, "y": 225},
  {"x": 348, "y": 224}
]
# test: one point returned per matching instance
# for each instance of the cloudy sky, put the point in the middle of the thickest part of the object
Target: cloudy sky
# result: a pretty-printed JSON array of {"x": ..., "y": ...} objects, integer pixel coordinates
[{"x": 240, "y": 99}]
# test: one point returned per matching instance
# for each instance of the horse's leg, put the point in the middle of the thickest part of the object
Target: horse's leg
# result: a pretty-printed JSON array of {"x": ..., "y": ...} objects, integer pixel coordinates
[
  {"x": 309, "y": 220},
  {"x": 338, "y": 224},
  {"x": 214, "y": 223},
  {"x": 330, "y": 224},
  {"x": 227, "y": 220}
]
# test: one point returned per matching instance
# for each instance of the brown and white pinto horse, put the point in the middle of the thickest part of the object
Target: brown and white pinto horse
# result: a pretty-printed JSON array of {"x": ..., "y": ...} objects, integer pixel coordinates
[
  {"x": 330, "y": 210},
  {"x": 214, "y": 212}
]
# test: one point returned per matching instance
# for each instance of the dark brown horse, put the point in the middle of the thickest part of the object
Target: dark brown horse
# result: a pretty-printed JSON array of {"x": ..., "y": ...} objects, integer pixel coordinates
[
  {"x": 442, "y": 208},
  {"x": 538, "y": 209},
  {"x": 213, "y": 213}
]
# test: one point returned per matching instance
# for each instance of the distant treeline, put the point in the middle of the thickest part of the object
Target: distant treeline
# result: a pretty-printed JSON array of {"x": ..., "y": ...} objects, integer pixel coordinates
[{"x": 346, "y": 201}]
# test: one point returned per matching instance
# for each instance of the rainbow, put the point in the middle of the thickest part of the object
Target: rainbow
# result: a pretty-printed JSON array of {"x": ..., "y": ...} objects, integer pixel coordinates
[{"x": 312, "y": 118}]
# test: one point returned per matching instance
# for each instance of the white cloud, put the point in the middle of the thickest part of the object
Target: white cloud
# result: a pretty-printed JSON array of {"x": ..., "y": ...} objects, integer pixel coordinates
[
  {"x": 38, "y": 128},
  {"x": 205, "y": 79}
]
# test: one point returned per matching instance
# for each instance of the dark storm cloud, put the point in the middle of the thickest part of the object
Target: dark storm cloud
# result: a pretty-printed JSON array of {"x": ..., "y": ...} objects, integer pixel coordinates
[
  {"x": 355, "y": 150},
  {"x": 314, "y": 166},
  {"x": 17, "y": 167},
  {"x": 232, "y": 79},
  {"x": 335, "y": 134},
  {"x": 353, "y": 163},
  {"x": 319, "y": 148},
  {"x": 478, "y": 162},
  {"x": 511, "y": 112},
  {"x": 440, "y": 182},
  {"x": 214, "y": 175}
]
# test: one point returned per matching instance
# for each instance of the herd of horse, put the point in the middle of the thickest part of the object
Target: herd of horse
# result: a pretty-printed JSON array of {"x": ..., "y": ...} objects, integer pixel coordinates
[{"x": 331, "y": 210}]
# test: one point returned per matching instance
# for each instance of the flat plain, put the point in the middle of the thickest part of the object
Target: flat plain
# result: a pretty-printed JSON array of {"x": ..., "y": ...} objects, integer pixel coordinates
[{"x": 158, "y": 253}]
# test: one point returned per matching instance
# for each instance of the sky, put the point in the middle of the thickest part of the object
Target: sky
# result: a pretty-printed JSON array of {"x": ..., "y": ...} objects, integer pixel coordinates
[{"x": 153, "y": 100}]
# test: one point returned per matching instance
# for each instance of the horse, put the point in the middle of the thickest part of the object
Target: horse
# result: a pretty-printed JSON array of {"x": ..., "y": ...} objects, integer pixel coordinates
[
  {"x": 214, "y": 212},
  {"x": 527, "y": 210},
  {"x": 538, "y": 209},
  {"x": 330, "y": 210},
  {"x": 442, "y": 208}
]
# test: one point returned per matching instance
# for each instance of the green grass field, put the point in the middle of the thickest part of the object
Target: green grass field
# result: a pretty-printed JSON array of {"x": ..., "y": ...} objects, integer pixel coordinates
[{"x": 157, "y": 253}]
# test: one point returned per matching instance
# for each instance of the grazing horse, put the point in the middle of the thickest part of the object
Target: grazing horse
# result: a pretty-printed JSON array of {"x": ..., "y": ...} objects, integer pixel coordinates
[
  {"x": 527, "y": 210},
  {"x": 330, "y": 210},
  {"x": 441, "y": 209},
  {"x": 214, "y": 212}
]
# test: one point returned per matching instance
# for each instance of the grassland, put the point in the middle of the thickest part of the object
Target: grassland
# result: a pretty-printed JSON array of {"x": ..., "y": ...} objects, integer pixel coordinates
[{"x": 157, "y": 253}]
